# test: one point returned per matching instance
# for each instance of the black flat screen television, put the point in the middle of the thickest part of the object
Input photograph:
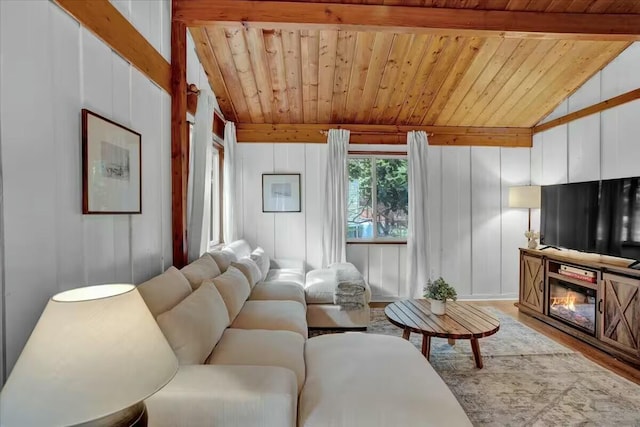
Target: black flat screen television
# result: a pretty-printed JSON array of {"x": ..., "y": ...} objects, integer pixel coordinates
[{"x": 595, "y": 216}]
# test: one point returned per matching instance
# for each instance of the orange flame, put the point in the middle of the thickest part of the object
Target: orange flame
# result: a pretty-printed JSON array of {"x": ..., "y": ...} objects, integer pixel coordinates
[{"x": 567, "y": 302}]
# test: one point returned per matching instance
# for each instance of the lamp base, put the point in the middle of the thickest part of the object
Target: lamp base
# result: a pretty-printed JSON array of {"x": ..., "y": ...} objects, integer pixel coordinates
[{"x": 133, "y": 416}]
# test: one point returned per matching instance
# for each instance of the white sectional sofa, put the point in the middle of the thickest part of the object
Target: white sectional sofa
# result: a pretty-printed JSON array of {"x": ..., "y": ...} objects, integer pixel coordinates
[
  {"x": 245, "y": 359},
  {"x": 310, "y": 288}
]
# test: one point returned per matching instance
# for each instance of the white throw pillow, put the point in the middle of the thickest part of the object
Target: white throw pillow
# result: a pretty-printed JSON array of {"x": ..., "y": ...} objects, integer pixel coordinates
[
  {"x": 194, "y": 326},
  {"x": 200, "y": 270},
  {"x": 262, "y": 259},
  {"x": 234, "y": 288},
  {"x": 250, "y": 269}
]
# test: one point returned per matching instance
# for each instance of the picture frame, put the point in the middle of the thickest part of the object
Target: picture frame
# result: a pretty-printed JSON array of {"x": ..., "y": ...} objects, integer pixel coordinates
[
  {"x": 111, "y": 167},
  {"x": 281, "y": 192}
]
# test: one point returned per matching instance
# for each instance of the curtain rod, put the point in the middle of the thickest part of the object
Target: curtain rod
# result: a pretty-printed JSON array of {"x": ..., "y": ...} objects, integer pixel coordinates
[{"x": 373, "y": 132}]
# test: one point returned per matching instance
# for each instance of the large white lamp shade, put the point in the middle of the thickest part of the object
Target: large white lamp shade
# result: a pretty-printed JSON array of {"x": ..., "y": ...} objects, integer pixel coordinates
[{"x": 94, "y": 351}]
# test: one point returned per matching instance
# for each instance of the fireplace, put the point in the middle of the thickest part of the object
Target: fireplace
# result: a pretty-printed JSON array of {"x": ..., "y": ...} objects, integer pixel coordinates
[{"x": 573, "y": 304}]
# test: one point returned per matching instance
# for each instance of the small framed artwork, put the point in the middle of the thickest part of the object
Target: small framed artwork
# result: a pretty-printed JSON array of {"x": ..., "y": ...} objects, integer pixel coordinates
[
  {"x": 281, "y": 192},
  {"x": 111, "y": 167}
]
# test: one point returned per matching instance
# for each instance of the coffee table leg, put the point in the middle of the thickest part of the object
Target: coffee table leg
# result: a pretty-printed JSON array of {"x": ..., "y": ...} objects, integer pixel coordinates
[
  {"x": 426, "y": 345},
  {"x": 475, "y": 346},
  {"x": 406, "y": 333}
]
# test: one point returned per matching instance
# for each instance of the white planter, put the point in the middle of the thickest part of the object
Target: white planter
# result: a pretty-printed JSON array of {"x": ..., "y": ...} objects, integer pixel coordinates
[{"x": 438, "y": 307}]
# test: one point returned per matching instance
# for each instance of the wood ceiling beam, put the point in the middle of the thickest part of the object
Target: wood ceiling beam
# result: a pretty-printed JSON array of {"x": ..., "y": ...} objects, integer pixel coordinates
[
  {"x": 596, "y": 108},
  {"x": 366, "y": 17},
  {"x": 385, "y": 134},
  {"x": 107, "y": 23}
]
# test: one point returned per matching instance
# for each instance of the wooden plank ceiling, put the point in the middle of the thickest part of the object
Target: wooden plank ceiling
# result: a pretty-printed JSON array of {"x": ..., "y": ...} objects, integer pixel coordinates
[{"x": 285, "y": 76}]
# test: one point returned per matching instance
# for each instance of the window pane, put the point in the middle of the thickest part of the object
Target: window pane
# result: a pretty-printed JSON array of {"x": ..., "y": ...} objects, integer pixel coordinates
[
  {"x": 359, "y": 200},
  {"x": 392, "y": 197}
]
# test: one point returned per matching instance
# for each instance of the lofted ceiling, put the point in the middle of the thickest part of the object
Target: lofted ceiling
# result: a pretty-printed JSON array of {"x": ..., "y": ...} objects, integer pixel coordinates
[{"x": 320, "y": 76}]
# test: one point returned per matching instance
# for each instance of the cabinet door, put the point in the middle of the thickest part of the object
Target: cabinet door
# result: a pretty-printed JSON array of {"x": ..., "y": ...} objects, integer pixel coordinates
[
  {"x": 620, "y": 318},
  {"x": 532, "y": 283}
]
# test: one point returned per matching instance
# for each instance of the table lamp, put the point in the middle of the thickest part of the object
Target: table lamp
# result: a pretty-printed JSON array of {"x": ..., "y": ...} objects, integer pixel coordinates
[
  {"x": 94, "y": 356},
  {"x": 526, "y": 196}
]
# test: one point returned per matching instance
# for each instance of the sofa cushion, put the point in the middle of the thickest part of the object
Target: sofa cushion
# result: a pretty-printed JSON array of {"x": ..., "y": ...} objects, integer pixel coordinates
[
  {"x": 204, "y": 268},
  {"x": 261, "y": 348},
  {"x": 164, "y": 291},
  {"x": 194, "y": 326},
  {"x": 272, "y": 315},
  {"x": 234, "y": 288},
  {"x": 262, "y": 259},
  {"x": 219, "y": 395},
  {"x": 358, "y": 365},
  {"x": 278, "y": 292},
  {"x": 285, "y": 276},
  {"x": 250, "y": 269},
  {"x": 241, "y": 248},
  {"x": 222, "y": 259},
  {"x": 320, "y": 286}
]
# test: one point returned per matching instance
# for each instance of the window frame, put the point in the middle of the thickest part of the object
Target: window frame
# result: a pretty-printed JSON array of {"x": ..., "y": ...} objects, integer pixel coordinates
[{"x": 374, "y": 196}]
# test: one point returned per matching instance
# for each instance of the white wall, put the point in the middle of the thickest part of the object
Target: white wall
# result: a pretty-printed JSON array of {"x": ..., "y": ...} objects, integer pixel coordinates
[
  {"x": 474, "y": 236},
  {"x": 51, "y": 68},
  {"x": 600, "y": 146}
]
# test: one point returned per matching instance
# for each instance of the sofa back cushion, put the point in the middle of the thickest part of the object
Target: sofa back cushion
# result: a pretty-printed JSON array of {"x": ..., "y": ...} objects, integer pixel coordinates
[
  {"x": 240, "y": 248},
  {"x": 200, "y": 270},
  {"x": 195, "y": 325},
  {"x": 164, "y": 291},
  {"x": 222, "y": 259},
  {"x": 234, "y": 288},
  {"x": 262, "y": 259},
  {"x": 250, "y": 270}
]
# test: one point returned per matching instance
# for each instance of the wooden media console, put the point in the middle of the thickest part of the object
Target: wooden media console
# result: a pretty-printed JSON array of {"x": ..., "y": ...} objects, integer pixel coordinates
[{"x": 592, "y": 297}]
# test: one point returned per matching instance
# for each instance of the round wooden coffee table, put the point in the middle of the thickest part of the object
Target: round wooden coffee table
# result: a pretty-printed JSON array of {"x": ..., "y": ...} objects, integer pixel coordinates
[{"x": 461, "y": 321}]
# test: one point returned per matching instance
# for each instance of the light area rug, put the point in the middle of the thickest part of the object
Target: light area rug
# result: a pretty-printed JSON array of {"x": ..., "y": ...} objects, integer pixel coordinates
[{"x": 527, "y": 379}]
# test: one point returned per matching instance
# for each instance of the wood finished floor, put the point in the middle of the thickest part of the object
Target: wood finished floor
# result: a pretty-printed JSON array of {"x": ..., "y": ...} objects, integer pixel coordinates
[{"x": 602, "y": 358}]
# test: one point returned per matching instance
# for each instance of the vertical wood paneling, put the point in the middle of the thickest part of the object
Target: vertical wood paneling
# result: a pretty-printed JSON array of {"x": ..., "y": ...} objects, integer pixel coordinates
[
  {"x": 289, "y": 227},
  {"x": 620, "y": 150},
  {"x": 554, "y": 156},
  {"x": 146, "y": 247},
  {"x": 623, "y": 74},
  {"x": 514, "y": 170},
  {"x": 584, "y": 146},
  {"x": 44, "y": 161},
  {"x": 486, "y": 221},
  {"x": 66, "y": 74},
  {"x": 314, "y": 170},
  {"x": 434, "y": 198},
  {"x": 456, "y": 217},
  {"x": 122, "y": 223},
  {"x": 29, "y": 173},
  {"x": 97, "y": 88},
  {"x": 358, "y": 255}
]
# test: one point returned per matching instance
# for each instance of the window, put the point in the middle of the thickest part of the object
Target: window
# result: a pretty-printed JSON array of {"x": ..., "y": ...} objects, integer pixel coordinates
[{"x": 377, "y": 200}]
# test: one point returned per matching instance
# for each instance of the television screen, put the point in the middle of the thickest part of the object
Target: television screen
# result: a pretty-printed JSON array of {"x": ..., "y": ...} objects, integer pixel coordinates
[
  {"x": 569, "y": 215},
  {"x": 619, "y": 218}
]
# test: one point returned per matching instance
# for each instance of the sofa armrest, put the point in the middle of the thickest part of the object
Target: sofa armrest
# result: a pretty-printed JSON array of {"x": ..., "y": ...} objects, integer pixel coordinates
[
  {"x": 212, "y": 395},
  {"x": 287, "y": 264}
]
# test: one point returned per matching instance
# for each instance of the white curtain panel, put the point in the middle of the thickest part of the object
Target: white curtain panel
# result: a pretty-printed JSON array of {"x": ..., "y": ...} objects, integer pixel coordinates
[
  {"x": 418, "y": 236},
  {"x": 199, "y": 214},
  {"x": 334, "y": 224},
  {"x": 229, "y": 190}
]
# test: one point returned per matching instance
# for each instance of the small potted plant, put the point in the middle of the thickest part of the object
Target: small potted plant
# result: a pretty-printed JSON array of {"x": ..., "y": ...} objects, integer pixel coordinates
[{"x": 439, "y": 291}]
